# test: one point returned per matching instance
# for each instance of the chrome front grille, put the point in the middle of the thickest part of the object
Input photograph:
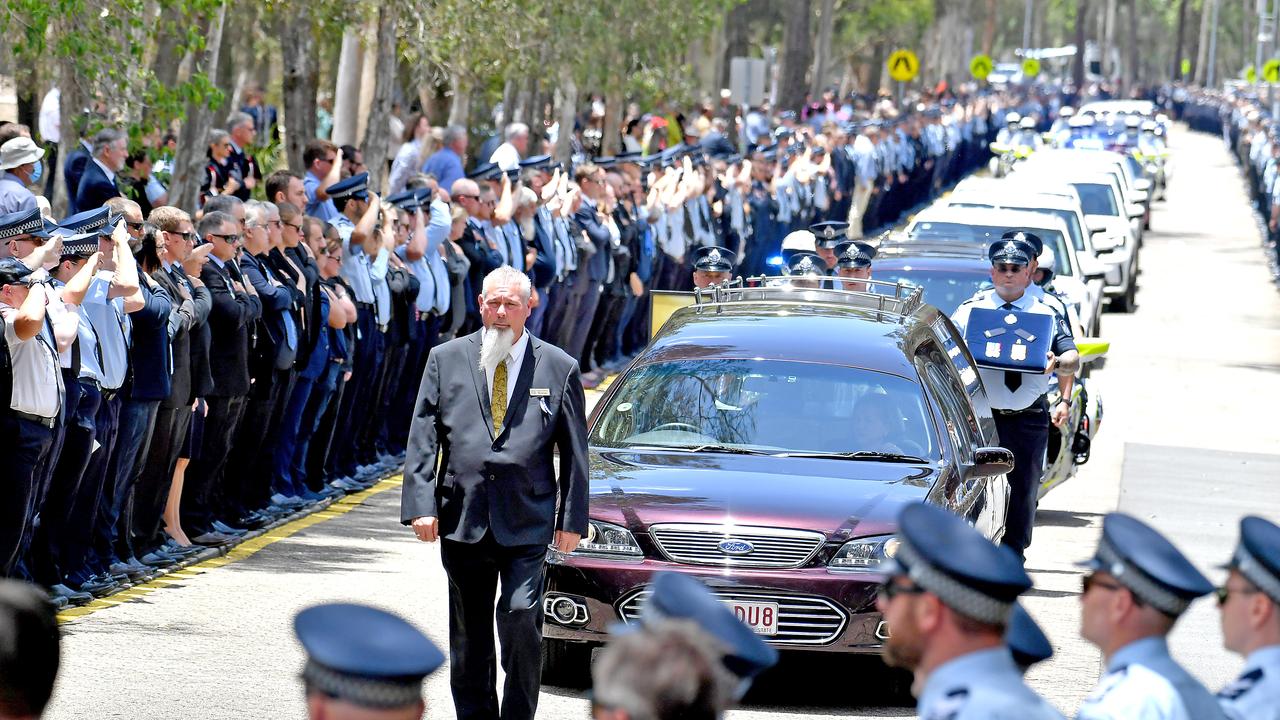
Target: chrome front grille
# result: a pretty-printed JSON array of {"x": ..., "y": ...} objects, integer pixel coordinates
[
  {"x": 736, "y": 545},
  {"x": 802, "y": 619}
]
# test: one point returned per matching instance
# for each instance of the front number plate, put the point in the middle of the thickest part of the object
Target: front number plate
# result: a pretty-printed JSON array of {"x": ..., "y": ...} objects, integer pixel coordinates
[{"x": 762, "y": 618}]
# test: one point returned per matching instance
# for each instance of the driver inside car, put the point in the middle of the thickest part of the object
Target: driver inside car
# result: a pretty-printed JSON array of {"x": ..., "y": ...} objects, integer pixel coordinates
[{"x": 876, "y": 424}]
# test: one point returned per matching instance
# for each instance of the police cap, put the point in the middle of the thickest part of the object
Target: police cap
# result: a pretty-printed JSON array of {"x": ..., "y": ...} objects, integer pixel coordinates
[
  {"x": 1015, "y": 252},
  {"x": 1257, "y": 555},
  {"x": 13, "y": 272},
  {"x": 356, "y": 186},
  {"x": 1025, "y": 639},
  {"x": 1147, "y": 564},
  {"x": 854, "y": 255},
  {"x": 714, "y": 259},
  {"x": 1030, "y": 238},
  {"x": 830, "y": 233},
  {"x": 365, "y": 656},
  {"x": 536, "y": 161},
  {"x": 677, "y": 596},
  {"x": 24, "y": 222},
  {"x": 945, "y": 555},
  {"x": 804, "y": 264},
  {"x": 483, "y": 171},
  {"x": 800, "y": 240}
]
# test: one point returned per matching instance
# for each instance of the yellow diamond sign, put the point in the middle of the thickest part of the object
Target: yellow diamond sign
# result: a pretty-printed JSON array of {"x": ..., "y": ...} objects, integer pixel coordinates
[
  {"x": 903, "y": 65},
  {"x": 1250, "y": 74},
  {"x": 1031, "y": 67},
  {"x": 980, "y": 66},
  {"x": 1271, "y": 71}
]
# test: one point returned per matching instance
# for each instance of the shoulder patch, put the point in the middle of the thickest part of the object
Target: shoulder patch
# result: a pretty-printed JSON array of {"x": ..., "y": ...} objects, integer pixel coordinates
[
  {"x": 1241, "y": 685},
  {"x": 949, "y": 707}
]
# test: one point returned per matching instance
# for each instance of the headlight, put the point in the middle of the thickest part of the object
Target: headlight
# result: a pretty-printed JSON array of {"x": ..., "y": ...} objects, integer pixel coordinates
[
  {"x": 864, "y": 554},
  {"x": 609, "y": 540}
]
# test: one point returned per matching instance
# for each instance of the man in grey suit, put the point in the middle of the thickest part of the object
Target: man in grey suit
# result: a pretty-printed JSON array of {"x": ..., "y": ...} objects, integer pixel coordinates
[{"x": 494, "y": 406}]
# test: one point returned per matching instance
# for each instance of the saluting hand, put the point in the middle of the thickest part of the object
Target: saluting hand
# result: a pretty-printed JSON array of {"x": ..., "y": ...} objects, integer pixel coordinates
[
  {"x": 426, "y": 528},
  {"x": 1053, "y": 363}
]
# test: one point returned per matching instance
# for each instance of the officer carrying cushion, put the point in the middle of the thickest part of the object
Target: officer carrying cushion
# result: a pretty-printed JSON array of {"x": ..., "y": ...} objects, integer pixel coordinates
[
  {"x": 949, "y": 595},
  {"x": 1250, "y": 604},
  {"x": 995, "y": 323},
  {"x": 1139, "y": 585}
]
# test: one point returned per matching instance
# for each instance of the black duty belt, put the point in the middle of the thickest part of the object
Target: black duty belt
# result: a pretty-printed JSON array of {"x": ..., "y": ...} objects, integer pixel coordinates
[
  {"x": 1040, "y": 405},
  {"x": 48, "y": 422}
]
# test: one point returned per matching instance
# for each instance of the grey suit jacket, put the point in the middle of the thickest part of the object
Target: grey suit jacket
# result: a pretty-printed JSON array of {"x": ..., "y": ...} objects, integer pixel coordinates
[{"x": 507, "y": 484}]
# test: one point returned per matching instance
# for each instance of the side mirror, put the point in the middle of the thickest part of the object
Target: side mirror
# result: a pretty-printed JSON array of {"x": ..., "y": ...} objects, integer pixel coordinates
[
  {"x": 1091, "y": 269},
  {"x": 1095, "y": 223},
  {"x": 1140, "y": 196},
  {"x": 1104, "y": 243},
  {"x": 1136, "y": 211},
  {"x": 1142, "y": 185},
  {"x": 990, "y": 461}
]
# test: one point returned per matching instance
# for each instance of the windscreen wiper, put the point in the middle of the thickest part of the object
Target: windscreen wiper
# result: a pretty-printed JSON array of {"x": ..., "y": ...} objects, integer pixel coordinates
[
  {"x": 710, "y": 448},
  {"x": 859, "y": 455}
]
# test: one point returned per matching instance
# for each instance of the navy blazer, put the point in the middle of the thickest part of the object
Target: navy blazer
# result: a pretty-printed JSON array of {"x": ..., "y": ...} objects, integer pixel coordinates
[
  {"x": 505, "y": 485},
  {"x": 149, "y": 349},
  {"x": 95, "y": 188},
  {"x": 72, "y": 170},
  {"x": 231, "y": 318},
  {"x": 544, "y": 265},
  {"x": 588, "y": 220},
  {"x": 270, "y": 350}
]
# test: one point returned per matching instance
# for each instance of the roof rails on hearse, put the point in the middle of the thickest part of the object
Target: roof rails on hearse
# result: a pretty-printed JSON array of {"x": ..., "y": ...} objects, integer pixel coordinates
[{"x": 893, "y": 298}]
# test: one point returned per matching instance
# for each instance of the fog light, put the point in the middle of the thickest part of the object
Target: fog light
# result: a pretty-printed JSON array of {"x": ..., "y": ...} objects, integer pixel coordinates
[{"x": 565, "y": 610}]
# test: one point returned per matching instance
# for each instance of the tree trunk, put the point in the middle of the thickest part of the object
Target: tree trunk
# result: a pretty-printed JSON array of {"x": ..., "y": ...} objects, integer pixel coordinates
[
  {"x": 346, "y": 96},
  {"x": 460, "y": 108},
  {"x": 368, "y": 78},
  {"x": 797, "y": 53},
  {"x": 165, "y": 64},
  {"x": 878, "y": 58},
  {"x": 1202, "y": 46},
  {"x": 188, "y": 166},
  {"x": 1177, "y": 48},
  {"x": 826, "y": 24},
  {"x": 989, "y": 27},
  {"x": 737, "y": 38},
  {"x": 1131, "y": 63},
  {"x": 378, "y": 146},
  {"x": 301, "y": 79},
  {"x": 568, "y": 109},
  {"x": 73, "y": 98},
  {"x": 1078, "y": 67}
]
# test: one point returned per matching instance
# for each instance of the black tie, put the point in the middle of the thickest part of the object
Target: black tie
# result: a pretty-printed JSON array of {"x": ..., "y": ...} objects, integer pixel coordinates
[{"x": 1012, "y": 380}]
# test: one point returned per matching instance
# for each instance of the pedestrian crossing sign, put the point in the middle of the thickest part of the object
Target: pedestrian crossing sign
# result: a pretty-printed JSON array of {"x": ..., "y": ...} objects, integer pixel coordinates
[
  {"x": 1031, "y": 67},
  {"x": 1250, "y": 74},
  {"x": 980, "y": 66},
  {"x": 1271, "y": 71},
  {"x": 903, "y": 65}
]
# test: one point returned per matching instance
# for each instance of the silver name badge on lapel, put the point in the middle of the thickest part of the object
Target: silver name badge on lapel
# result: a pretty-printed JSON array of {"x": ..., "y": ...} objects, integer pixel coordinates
[{"x": 539, "y": 392}]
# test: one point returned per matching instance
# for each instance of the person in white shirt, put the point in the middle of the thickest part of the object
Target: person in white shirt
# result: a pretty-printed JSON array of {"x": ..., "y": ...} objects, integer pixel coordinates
[{"x": 507, "y": 156}]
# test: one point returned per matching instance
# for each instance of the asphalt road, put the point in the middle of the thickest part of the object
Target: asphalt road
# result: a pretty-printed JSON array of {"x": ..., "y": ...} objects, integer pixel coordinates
[{"x": 1188, "y": 443}]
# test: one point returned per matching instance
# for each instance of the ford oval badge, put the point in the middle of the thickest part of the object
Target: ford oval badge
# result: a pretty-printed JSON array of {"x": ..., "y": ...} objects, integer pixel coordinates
[{"x": 736, "y": 547}]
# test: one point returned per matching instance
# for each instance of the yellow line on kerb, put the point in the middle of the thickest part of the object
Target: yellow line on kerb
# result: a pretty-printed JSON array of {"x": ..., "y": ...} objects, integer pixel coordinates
[{"x": 239, "y": 552}]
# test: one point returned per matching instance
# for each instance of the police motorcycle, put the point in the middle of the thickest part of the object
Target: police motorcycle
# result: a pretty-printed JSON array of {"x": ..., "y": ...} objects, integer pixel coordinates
[
  {"x": 1153, "y": 155},
  {"x": 1013, "y": 147}
]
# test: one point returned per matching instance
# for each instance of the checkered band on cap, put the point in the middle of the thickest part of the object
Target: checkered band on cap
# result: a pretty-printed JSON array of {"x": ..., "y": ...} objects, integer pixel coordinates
[
  {"x": 30, "y": 226},
  {"x": 956, "y": 595},
  {"x": 1257, "y": 573},
  {"x": 365, "y": 692},
  {"x": 1144, "y": 586}
]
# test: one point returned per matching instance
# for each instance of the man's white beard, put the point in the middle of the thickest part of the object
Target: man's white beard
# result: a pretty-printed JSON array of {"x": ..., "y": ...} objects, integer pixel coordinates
[
  {"x": 495, "y": 346},
  {"x": 526, "y": 229}
]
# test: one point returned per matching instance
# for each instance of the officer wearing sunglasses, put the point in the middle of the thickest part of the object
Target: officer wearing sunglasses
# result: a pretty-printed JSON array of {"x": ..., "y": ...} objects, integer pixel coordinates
[{"x": 1250, "y": 605}]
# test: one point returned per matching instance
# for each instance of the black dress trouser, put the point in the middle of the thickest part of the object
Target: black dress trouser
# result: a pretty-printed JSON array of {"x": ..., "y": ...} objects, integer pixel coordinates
[
  {"x": 518, "y": 575},
  {"x": 1025, "y": 433}
]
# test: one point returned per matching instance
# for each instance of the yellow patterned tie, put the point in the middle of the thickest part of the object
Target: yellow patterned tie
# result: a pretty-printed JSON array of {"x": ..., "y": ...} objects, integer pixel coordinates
[{"x": 499, "y": 397}]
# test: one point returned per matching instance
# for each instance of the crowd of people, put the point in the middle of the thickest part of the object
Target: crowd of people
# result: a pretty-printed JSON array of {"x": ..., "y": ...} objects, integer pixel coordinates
[{"x": 177, "y": 377}]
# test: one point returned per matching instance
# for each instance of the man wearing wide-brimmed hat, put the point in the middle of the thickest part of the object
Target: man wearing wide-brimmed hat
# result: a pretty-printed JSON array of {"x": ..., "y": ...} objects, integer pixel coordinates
[{"x": 20, "y": 166}]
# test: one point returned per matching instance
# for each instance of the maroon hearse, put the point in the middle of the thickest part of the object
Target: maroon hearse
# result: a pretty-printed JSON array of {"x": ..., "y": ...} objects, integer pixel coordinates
[{"x": 764, "y": 442}]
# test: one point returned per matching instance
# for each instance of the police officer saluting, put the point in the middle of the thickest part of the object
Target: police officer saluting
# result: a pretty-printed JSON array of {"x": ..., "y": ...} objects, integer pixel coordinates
[
  {"x": 1250, "y": 606},
  {"x": 1019, "y": 404},
  {"x": 711, "y": 266},
  {"x": 1139, "y": 586},
  {"x": 948, "y": 596}
]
